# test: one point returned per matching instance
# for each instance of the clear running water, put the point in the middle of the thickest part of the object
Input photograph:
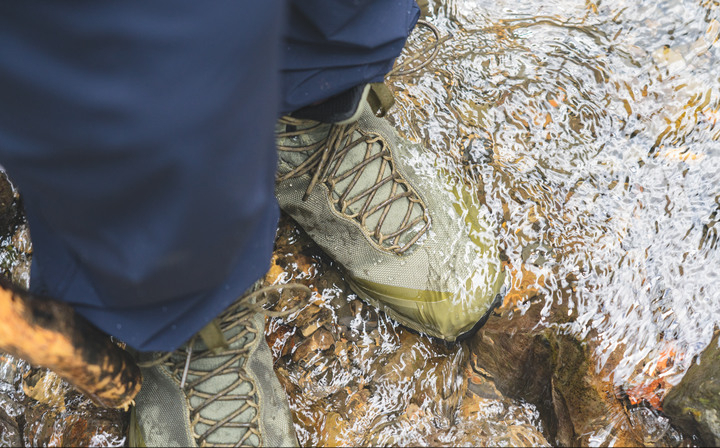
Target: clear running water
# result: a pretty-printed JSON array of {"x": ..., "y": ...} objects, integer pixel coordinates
[
  {"x": 592, "y": 133},
  {"x": 604, "y": 176}
]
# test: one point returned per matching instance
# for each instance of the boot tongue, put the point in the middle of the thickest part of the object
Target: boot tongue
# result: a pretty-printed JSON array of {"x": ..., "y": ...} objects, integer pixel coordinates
[
  {"x": 213, "y": 337},
  {"x": 297, "y": 135}
]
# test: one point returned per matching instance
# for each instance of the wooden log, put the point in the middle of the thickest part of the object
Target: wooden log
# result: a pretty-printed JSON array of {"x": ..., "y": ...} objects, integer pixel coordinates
[{"x": 50, "y": 334}]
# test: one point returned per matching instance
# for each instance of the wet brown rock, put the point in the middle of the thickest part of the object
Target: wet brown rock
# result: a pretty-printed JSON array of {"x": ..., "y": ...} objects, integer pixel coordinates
[
  {"x": 288, "y": 266},
  {"x": 353, "y": 403},
  {"x": 526, "y": 285},
  {"x": 45, "y": 387},
  {"x": 312, "y": 319},
  {"x": 310, "y": 417},
  {"x": 479, "y": 382},
  {"x": 280, "y": 339},
  {"x": 362, "y": 355},
  {"x": 654, "y": 387},
  {"x": 364, "y": 311},
  {"x": 355, "y": 377},
  {"x": 57, "y": 415},
  {"x": 695, "y": 402},
  {"x": 439, "y": 385},
  {"x": 320, "y": 340},
  {"x": 10, "y": 434},
  {"x": 517, "y": 357},
  {"x": 336, "y": 431},
  {"x": 341, "y": 353},
  {"x": 78, "y": 427},
  {"x": 556, "y": 372},
  {"x": 284, "y": 376},
  {"x": 38, "y": 408},
  {"x": 477, "y": 428},
  {"x": 319, "y": 383},
  {"x": 655, "y": 429},
  {"x": 582, "y": 405}
]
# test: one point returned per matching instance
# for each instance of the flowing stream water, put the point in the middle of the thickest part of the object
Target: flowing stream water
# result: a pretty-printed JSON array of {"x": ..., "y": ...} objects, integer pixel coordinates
[
  {"x": 604, "y": 119},
  {"x": 592, "y": 132}
]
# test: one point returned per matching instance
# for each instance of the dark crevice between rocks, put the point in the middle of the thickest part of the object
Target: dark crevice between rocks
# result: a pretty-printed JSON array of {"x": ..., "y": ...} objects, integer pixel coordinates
[
  {"x": 554, "y": 371},
  {"x": 694, "y": 404},
  {"x": 11, "y": 210}
]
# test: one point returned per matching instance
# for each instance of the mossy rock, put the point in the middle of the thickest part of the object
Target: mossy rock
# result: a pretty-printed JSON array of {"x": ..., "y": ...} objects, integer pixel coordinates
[{"x": 694, "y": 404}]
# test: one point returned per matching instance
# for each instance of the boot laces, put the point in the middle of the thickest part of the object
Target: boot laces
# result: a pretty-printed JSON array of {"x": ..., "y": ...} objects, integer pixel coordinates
[
  {"x": 327, "y": 155},
  {"x": 235, "y": 321},
  {"x": 325, "y": 164}
]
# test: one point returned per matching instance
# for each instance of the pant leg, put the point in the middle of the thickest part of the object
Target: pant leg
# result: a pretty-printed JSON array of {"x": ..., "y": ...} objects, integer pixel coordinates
[
  {"x": 140, "y": 137},
  {"x": 334, "y": 45},
  {"x": 140, "y": 134}
]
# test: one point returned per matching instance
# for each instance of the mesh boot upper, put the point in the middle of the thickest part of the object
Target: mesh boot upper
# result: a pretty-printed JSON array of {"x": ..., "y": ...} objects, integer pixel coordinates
[
  {"x": 225, "y": 396},
  {"x": 359, "y": 170},
  {"x": 408, "y": 238}
]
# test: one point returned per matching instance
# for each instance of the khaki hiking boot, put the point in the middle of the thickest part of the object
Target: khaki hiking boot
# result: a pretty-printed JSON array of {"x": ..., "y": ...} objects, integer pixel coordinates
[
  {"x": 412, "y": 240},
  {"x": 225, "y": 396}
]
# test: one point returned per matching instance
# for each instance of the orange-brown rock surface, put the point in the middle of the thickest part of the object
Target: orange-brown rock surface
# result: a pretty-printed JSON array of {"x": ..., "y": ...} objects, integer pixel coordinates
[{"x": 354, "y": 377}]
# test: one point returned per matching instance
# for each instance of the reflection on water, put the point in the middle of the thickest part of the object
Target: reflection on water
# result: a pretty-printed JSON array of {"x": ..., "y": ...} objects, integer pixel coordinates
[{"x": 593, "y": 137}]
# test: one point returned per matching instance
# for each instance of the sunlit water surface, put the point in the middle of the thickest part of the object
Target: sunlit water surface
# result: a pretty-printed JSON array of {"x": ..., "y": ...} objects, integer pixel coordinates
[
  {"x": 591, "y": 134},
  {"x": 596, "y": 128}
]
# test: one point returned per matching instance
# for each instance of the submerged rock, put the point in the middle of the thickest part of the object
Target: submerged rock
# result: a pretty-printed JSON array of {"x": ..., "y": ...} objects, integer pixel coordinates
[
  {"x": 37, "y": 408},
  {"x": 355, "y": 377},
  {"x": 10, "y": 434},
  {"x": 556, "y": 371},
  {"x": 695, "y": 403}
]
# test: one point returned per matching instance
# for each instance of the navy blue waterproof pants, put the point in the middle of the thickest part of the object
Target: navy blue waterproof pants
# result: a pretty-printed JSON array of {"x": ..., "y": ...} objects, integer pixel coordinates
[{"x": 140, "y": 134}]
